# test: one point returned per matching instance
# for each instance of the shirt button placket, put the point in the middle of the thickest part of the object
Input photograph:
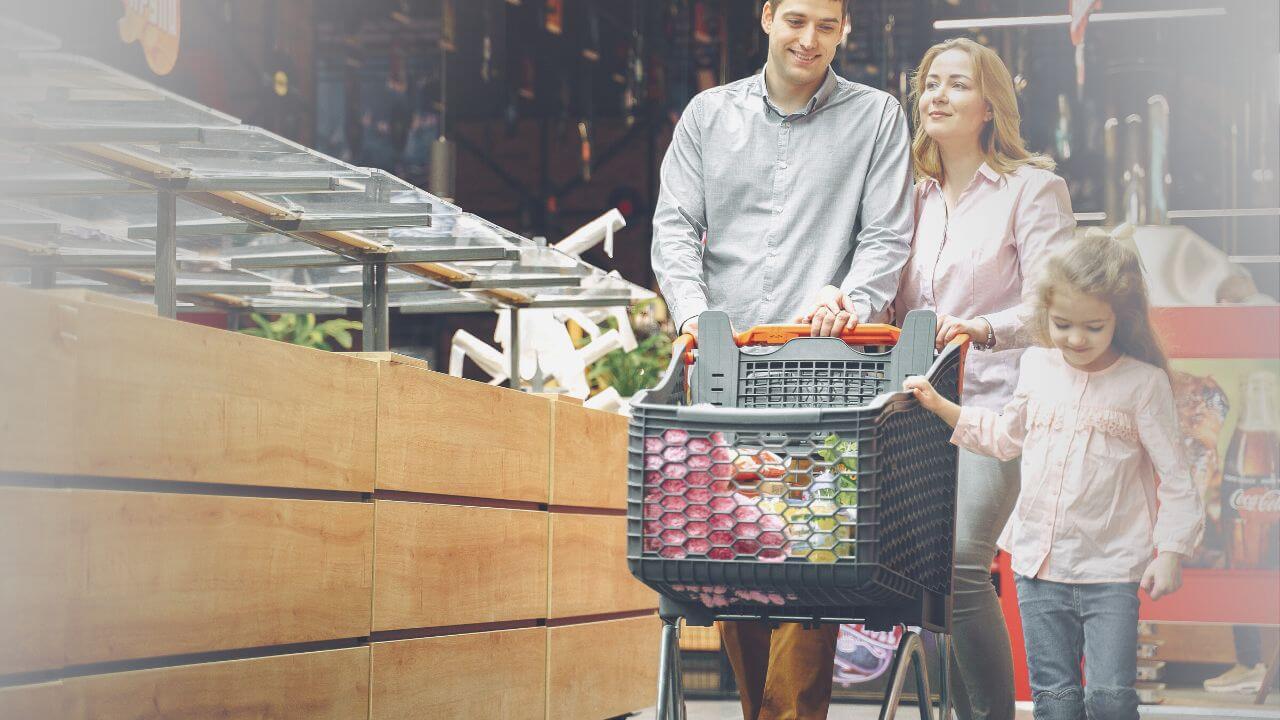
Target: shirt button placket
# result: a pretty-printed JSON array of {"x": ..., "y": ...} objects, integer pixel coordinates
[{"x": 784, "y": 133}]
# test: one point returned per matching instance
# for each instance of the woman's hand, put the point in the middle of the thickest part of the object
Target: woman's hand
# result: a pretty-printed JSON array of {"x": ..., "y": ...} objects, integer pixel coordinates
[
  {"x": 832, "y": 313},
  {"x": 949, "y": 326},
  {"x": 1163, "y": 575}
]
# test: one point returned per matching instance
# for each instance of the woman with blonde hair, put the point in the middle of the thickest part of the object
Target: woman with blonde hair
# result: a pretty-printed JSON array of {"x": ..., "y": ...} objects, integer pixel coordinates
[{"x": 988, "y": 212}]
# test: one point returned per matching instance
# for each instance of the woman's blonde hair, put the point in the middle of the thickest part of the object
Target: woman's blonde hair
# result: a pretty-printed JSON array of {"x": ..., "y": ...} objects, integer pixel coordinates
[
  {"x": 1001, "y": 138},
  {"x": 1102, "y": 268}
]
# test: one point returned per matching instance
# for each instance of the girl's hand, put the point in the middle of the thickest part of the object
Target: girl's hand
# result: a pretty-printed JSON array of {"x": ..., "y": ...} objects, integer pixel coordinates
[
  {"x": 923, "y": 391},
  {"x": 930, "y": 400},
  {"x": 1163, "y": 575},
  {"x": 949, "y": 326},
  {"x": 832, "y": 313}
]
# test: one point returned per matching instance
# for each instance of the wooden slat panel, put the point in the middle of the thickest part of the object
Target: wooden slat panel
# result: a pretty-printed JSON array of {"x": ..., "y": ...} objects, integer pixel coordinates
[
  {"x": 161, "y": 399},
  {"x": 34, "y": 542},
  {"x": 588, "y": 457},
  {"x": 602, "y": 669},
  {"x": 37, "y": 374},
  {"x": 588, "y": 561},
  {"x": 445, "y": 435},
  {"x": 327, "y": 685},
  {"x": 493, "y": 675},
  {"x": 46, "y": 701},
  {"x": 170, "y": 574},
  {"x": 441, "y": 565}
]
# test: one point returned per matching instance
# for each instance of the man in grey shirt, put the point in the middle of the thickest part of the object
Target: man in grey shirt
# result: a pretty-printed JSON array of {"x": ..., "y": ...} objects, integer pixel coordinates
[
  {"x": 786, "y": 196},
  {"x": 799, "y": 179}
]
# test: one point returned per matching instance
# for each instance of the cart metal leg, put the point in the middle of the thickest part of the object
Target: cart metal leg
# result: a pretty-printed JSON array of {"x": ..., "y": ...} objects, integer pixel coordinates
[
  {"x": 944, "y": 692},
  {"x": 910, "y": 653},
  {"x": 670, "y": 689}
]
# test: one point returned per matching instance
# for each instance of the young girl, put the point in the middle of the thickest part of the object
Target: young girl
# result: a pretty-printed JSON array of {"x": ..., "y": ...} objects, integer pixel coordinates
[{"x": 1093, "y": 417}]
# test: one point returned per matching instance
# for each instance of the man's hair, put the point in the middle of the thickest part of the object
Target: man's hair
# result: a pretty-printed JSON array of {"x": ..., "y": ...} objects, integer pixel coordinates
[{"x": 844, "y": 6}]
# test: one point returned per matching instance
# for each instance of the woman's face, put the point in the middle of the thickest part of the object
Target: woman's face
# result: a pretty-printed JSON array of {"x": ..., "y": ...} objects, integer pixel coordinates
[{"x": 952, "y": 110}]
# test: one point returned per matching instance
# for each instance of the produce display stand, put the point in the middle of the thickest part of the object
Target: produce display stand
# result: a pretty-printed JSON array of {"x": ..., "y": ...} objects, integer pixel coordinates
[{"x": 201, "y": 523}]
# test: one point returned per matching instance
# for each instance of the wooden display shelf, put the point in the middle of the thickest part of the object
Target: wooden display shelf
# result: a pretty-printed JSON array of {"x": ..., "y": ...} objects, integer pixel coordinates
[
  {"x": 139, "y": 575},
  {"x": 588, "y": 457},
  {"x": 602, "y": 669},
  {"x": 44, "y": 700},
  {"x": 35, "y": 546},
  {"x": 448, "y": 436},
  {"x": 588, "y": 568},
  {"x": 445, "y": 565},
  {"x": 497, "y": 675},
  {"x": 325, "y": 685},
  {"x": 96, "y": 390}
]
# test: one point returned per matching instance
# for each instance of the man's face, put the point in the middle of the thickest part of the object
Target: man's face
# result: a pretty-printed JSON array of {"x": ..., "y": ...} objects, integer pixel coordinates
[{"x": 803, "y": 36}]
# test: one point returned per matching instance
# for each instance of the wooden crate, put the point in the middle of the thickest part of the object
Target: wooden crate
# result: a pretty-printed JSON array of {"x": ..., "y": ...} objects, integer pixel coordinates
[
  {"x": 162, "y": 574},
  {"x": 602, "y": 669},
  {"x": 588, "y": 457},
  {"x": 588, "y": 561},
  {"x": 705, "y": 639},
  {"x": 325, "y": 685},
  {"x": 443, "y": 565},
  {"x": 493, "y": 675},
  {"x": 35, "y": 542},
  {"x": 448, "y": 436},
  {"x": 97, "y": 390}
]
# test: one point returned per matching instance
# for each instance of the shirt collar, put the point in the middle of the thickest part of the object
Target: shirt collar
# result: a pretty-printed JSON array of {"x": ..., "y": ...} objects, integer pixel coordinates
[
  {"x": 984, "y": 170},
  {"x": 819, "y": 98}
]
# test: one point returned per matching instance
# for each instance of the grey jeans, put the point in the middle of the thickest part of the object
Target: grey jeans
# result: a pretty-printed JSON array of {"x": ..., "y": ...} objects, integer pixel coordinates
[
  {"x": 1064, "y": 622},
  {"x": 982, "y": 684}
]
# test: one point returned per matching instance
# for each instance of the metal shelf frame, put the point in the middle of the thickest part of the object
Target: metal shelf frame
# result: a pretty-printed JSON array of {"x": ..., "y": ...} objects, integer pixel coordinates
[{"x": 77, "y": 131}]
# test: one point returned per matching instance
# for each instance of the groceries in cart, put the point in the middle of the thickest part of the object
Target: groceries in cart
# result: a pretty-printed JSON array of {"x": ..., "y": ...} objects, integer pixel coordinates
[{"x": 743, "y": 496}]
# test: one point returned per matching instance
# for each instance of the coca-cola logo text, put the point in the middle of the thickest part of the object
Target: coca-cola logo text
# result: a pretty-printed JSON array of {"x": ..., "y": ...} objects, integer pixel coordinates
[{"x": 1257, "y": 504}]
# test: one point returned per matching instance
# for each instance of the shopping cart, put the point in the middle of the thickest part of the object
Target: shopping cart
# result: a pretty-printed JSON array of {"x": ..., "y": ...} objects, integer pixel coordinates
[{"x": 797, "y": 484}]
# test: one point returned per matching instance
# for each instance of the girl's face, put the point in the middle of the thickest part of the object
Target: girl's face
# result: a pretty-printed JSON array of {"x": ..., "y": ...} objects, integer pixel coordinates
[
  {"x": 951, "y": 108},
  {"x": 1082, "y": 327}
]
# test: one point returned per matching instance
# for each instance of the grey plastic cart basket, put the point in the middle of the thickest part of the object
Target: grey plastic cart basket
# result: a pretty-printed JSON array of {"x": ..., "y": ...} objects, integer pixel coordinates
[{"x": 771, "y": 414}]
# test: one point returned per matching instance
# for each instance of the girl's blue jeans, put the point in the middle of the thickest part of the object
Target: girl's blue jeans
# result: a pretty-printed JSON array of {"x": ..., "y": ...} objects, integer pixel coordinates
[{"x": 1063, "y": 623}]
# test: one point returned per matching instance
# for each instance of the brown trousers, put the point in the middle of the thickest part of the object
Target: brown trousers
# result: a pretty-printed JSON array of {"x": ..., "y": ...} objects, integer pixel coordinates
[{"x": 782, "y": 674}]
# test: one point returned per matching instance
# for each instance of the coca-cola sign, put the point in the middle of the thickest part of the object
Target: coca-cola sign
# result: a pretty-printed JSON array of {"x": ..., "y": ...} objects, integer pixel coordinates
[{"x": 1257, "y": 504}]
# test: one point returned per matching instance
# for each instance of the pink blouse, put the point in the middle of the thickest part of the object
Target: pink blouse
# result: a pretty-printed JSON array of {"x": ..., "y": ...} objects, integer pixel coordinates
[
  {"x": 1090, "y": 509},
  {"x": 979, "y": 259}
]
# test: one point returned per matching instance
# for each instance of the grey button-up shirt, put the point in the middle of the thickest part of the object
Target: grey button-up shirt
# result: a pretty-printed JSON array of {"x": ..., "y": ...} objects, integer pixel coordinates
[{"x": 787, "y": 203}]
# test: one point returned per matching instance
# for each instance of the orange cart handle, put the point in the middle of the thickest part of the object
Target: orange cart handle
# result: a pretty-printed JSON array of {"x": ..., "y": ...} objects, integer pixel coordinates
[{"x": 863, "y": 334}]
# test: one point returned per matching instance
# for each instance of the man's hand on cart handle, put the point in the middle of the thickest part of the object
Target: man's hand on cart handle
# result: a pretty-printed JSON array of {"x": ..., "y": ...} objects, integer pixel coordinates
[
  {"x": 832, "y": 313},
  {"x": 930, "y": 399},
  {"x": 690, "y": 327}
]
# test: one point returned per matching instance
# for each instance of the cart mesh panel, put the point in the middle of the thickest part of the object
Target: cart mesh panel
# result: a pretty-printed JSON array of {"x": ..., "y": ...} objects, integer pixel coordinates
[
  {"x": 809, "y": 383},
  {"x": 732, "y": 517}
]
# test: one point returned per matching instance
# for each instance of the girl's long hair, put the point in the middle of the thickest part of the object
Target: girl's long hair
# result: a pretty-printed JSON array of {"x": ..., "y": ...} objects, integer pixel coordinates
[
  {"x": 1102, "y": 268},
  {"x": 1001, "y": 137}
]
